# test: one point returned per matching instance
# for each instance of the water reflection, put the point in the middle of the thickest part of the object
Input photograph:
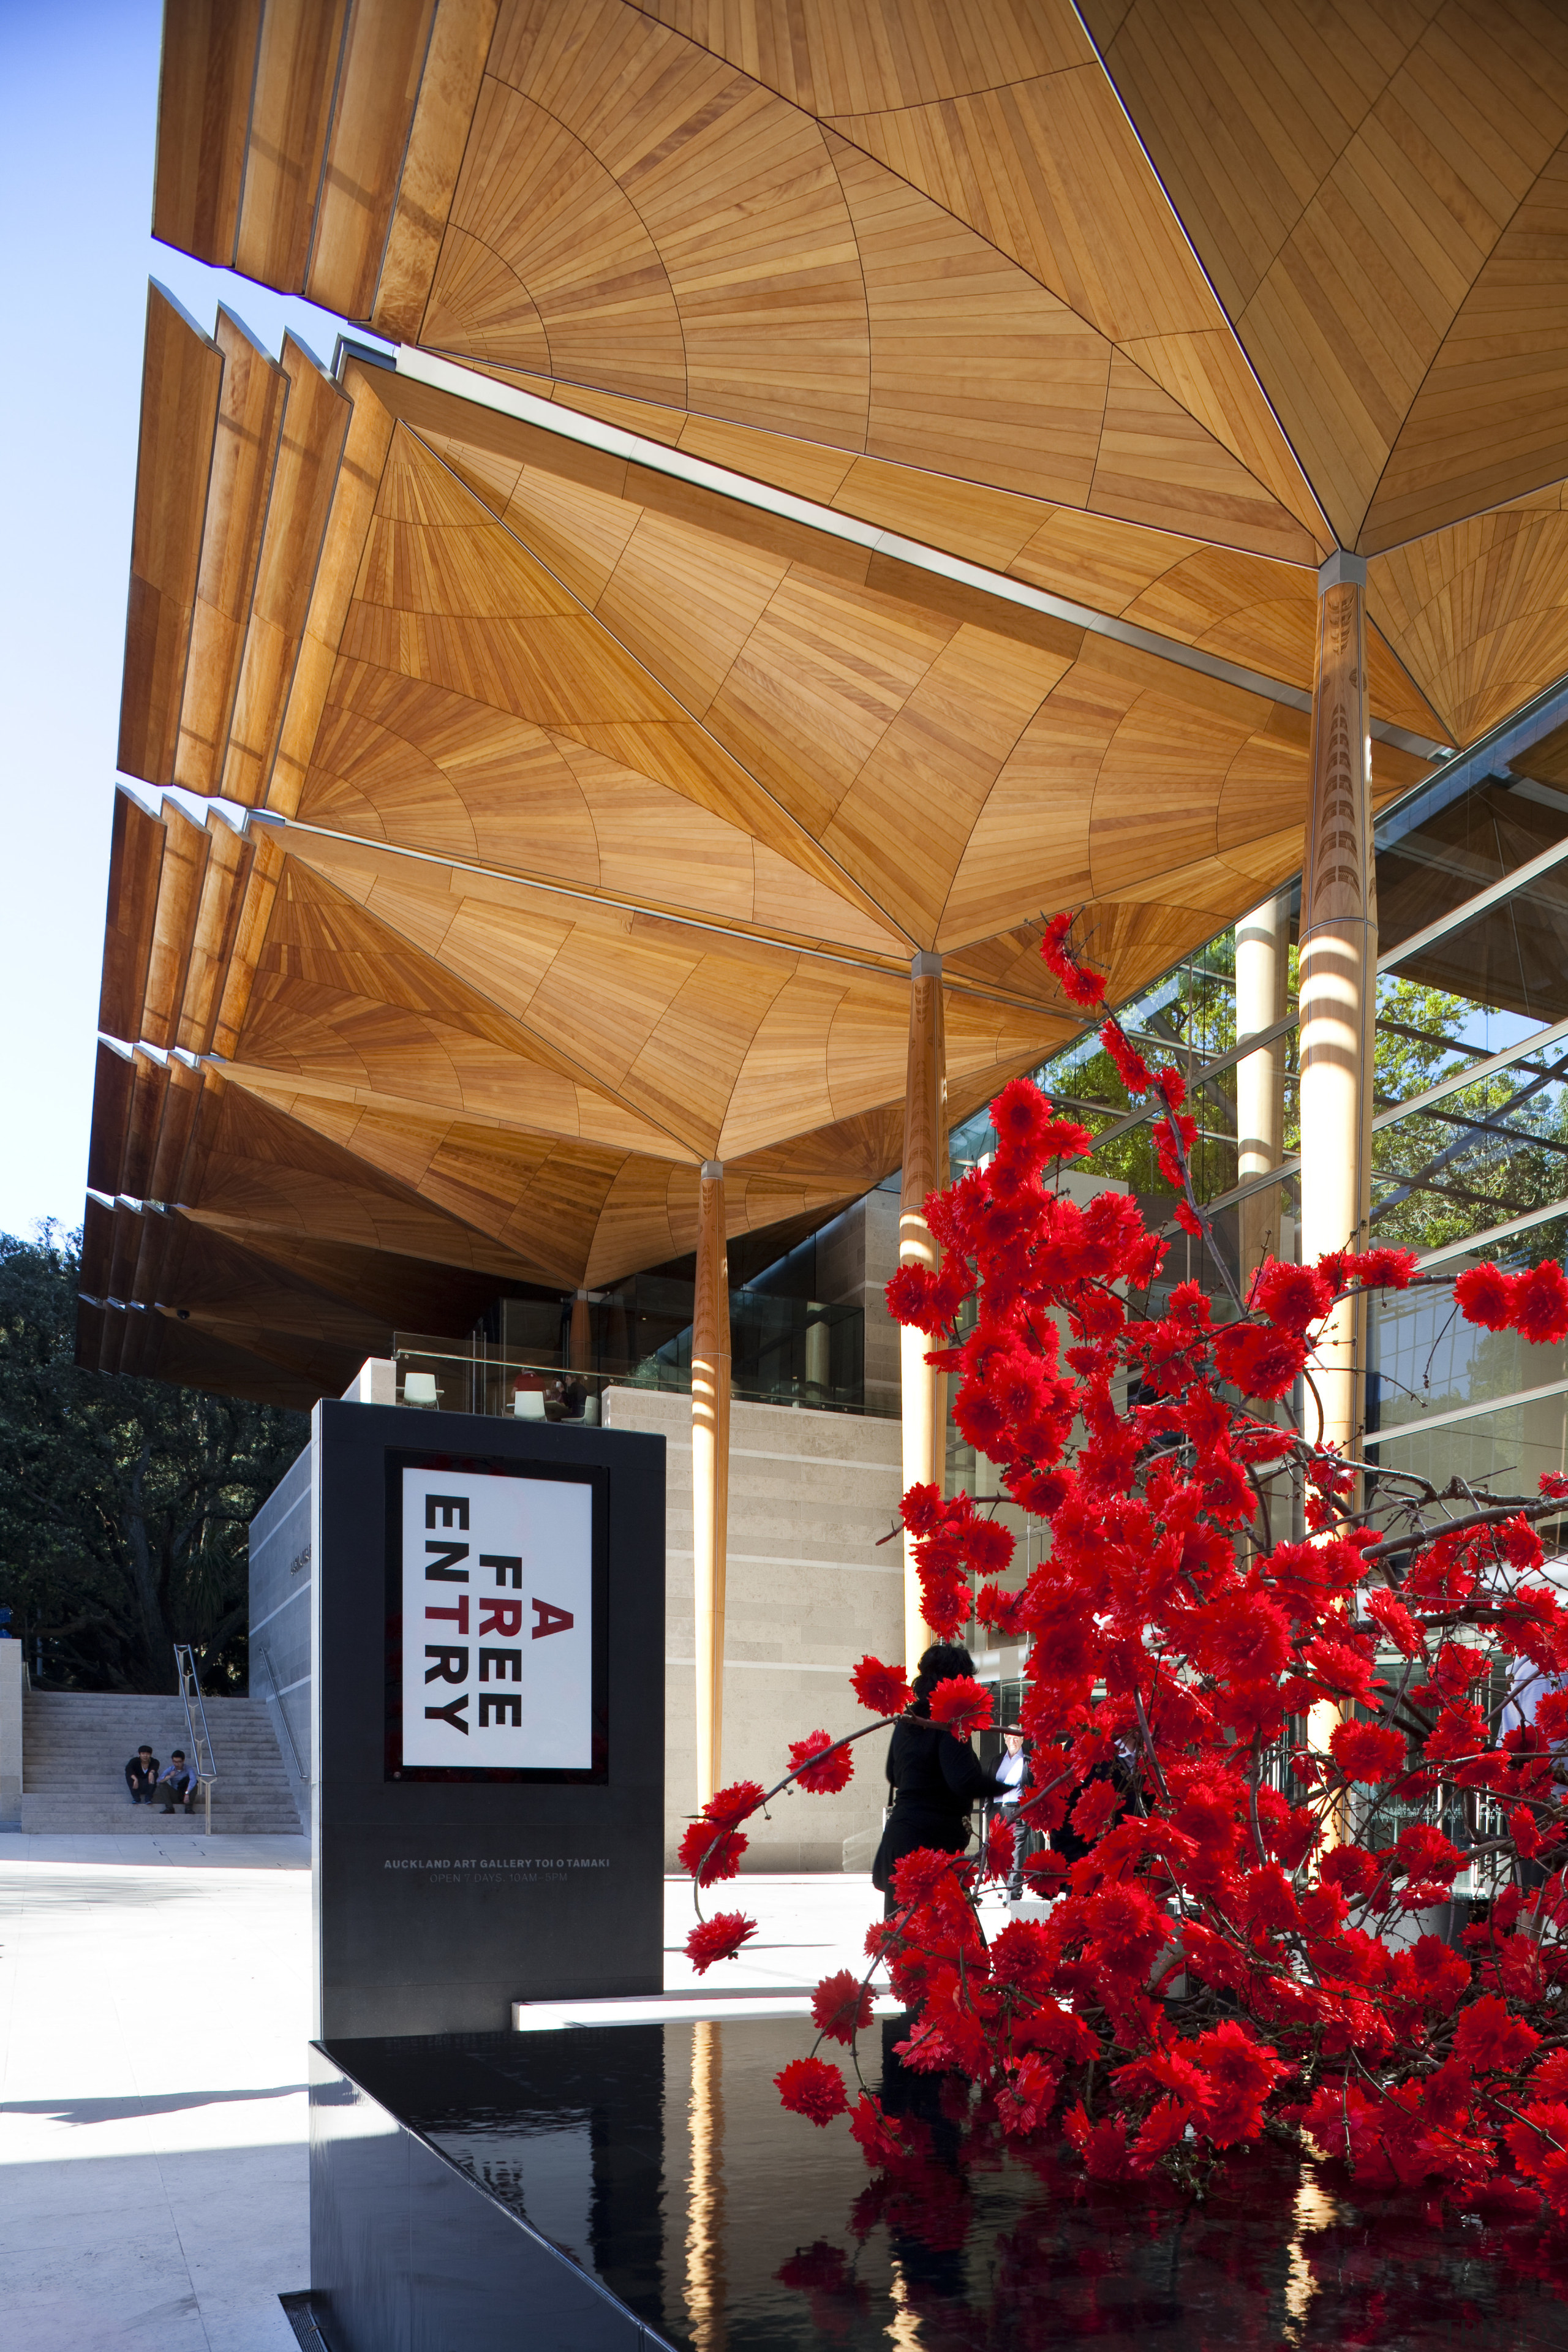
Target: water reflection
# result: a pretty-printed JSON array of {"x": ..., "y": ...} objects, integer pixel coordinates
[{"x": 657, "y": 2158}]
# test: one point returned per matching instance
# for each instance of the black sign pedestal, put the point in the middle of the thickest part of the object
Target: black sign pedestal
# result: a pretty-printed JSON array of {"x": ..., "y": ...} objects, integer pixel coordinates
[{"x": 487, "y": 1670}]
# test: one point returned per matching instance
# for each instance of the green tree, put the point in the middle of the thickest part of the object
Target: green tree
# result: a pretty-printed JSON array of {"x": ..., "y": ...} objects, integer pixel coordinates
[{"x": 123, "y": 1503}]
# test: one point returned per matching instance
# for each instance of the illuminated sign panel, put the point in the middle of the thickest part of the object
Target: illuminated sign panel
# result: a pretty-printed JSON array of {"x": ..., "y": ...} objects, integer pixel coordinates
[{"x": 497, "y": 1634}]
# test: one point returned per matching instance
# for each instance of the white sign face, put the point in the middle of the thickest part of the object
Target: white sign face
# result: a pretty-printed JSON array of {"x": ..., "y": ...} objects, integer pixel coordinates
[{"x": 498, "y": 1621}]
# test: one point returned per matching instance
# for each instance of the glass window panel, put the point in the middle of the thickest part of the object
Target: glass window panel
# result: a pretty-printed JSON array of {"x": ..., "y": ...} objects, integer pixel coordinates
[
  {"x": 1425, "y": 1359},
  {"x": 1461, "y": 849},
  {"x": 1426, "y": 1034},
  {"x": 1511, "y": 958},
  {"x": 1509, "y": 1449},
  {"x": 1484, "y": 1153}
]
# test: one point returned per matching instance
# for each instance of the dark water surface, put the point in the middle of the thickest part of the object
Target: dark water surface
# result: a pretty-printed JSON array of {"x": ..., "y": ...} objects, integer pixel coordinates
[{"x": 659, "y": 2159}]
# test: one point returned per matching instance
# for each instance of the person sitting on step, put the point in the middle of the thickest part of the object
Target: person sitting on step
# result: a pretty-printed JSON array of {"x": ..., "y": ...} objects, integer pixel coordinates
[
  {"x": 176, "y": 1786},
  {"x": 142, "y": 1775}
]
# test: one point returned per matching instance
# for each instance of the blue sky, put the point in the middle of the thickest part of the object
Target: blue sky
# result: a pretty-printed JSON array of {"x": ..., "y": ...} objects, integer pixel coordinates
[{"x": 78, "y": 95}]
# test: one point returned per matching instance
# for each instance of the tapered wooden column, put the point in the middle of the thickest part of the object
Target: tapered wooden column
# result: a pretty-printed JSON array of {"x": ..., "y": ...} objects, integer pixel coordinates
[
  {"x": 582, "y": 1343},
  {"x": 709, "y": 1467},
  {"x": 1337, "y": 982},
  {"x": 1262, "y": 993},
  {"x": 1338, "y": 977},
  {"x": 923, "y": 1391}
]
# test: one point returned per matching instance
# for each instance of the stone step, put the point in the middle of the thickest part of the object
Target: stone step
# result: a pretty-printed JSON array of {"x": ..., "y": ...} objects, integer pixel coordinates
[
  {"x": 43, "y": 1813},
  {"x": 76, "y": 1743}
]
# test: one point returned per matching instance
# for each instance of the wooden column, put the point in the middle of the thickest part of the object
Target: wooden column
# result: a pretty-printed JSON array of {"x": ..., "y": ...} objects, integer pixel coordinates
[
  {"x": 1338, "y": 976},
  {"x": 1338, "y": 984},
  {"x": 923, "y": 1392},
  {"x": 1262, "y": 993},
  {"x": 582, "y": 1343},
  {"x": 709, "y": 1467}
]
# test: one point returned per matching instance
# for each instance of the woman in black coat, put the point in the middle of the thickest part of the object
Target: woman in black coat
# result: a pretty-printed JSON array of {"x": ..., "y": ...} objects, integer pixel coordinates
[{"x": 936, "y": 1780}]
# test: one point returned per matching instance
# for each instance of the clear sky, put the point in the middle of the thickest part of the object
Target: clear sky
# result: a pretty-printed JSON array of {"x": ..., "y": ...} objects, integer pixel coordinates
[{"x": 78, "y": 96}]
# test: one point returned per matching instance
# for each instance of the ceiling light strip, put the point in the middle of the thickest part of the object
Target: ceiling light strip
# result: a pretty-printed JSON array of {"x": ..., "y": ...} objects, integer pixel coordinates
[{"x": 447, "y": 375}]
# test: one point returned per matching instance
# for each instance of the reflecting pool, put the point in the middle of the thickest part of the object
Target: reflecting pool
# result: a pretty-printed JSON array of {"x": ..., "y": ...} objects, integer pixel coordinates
[{"x": 656, "y": 2160}]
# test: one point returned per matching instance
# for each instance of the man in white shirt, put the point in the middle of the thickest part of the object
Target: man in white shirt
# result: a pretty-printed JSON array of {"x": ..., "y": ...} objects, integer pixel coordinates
[{"x": 1011, "y": 1785}]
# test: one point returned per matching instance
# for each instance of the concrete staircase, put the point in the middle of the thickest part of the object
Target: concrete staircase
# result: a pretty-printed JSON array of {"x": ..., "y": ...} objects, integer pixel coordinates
[{"x": 75, "y": 1746}]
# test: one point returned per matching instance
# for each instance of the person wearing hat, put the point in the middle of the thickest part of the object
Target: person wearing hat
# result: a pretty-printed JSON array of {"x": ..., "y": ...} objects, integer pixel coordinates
[{"x": 1013, "y": 1784}]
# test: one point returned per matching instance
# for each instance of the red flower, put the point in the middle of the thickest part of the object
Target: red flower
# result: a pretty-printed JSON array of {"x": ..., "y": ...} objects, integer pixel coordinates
[
  {"x": 885, "y": 1690},
  {"x": 1023, "y": 1119},
  {"x": 809, "y": 2086},
  {"x": 1396, "y": 1621},
  {"x": 921, "y": 1509},
  {"x": 1095, "y": 1810},
  {"x": 1292, "y": 1295},
  {"x": 1258, "y": 1359},
  {"x": 841, "y": 2006},
  {"x": 869, "y": 2126},
  {"x": 1000, "y": 1846},
  {"x": 1484, "y": 1295},
  {"x": 710, "y": 1853},
  {"x": 1540, "y": 1304},
  {"x": 1554, "y": 1484},
  {"x": 728, "y": 1806},
  {"x": 1442, "y": 1973},
  {"x": 961, "y": 1704},
  {"x": 1487, "y": 2036},
  {"x": 718, "y": 1938},
  {"x": 1078, "y": 983},
  {"x": 925, "y": 1872},
  {"x": 1367, "y": 1751},
  {"x": 1131, "y": 1068},
  {"x": 834, "y": 1772},
  {"x": 1241, "y": 2074},
  {"x": 1385, "y": 1269}
]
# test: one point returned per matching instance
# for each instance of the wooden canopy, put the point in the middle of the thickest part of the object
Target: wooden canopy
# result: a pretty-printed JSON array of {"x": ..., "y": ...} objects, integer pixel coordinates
[{"x": 602, "y": 796}]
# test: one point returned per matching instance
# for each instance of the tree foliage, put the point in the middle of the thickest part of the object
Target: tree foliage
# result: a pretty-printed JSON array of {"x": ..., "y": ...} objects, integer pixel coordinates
[
  {"x": 1272, "y": 1758},
  {"x": 123, "y": 1503}
]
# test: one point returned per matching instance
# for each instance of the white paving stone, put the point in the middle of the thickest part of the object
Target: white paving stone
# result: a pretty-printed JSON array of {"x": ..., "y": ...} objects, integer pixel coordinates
[{"x": 154, "y": 2011}]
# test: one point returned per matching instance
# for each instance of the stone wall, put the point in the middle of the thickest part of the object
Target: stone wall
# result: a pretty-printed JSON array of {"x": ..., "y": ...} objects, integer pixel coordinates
[
  {"x": 808, "y": 1593},
  {"x": 857, "y": 1256},
  {"x": 280, "y": 1619}
]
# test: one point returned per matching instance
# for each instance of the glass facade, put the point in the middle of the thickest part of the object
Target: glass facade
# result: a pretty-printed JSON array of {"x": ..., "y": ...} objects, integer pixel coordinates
[{"x": 1470, "y": 1100}]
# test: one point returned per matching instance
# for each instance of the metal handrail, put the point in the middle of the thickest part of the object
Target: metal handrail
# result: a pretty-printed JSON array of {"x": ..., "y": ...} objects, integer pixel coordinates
[
  {"x": 197, "y": 1732},
  {"x": 282, "y": 1710}
]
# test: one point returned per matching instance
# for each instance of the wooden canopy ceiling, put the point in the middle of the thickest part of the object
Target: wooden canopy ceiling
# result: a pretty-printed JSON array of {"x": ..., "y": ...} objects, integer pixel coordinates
[{"x": 598, "y": 812}]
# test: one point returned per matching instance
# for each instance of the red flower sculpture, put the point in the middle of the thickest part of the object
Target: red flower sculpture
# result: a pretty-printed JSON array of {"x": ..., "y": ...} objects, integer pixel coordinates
[{"x": 1262, "y": 1761}]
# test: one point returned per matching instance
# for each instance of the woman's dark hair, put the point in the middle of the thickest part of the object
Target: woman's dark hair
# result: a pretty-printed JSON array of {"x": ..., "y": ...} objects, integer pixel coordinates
[{"x": 944, "y": 1662}]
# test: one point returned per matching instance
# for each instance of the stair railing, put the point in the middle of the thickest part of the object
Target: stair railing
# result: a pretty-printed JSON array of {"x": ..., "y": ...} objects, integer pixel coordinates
[
  {"x": 199, "y": 1753},
  {"x": 265, "y": 1656}
]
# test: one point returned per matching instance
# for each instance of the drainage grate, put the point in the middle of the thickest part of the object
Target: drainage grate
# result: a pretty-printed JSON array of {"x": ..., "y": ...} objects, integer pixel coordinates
[{"x": 297, "y": 2311}]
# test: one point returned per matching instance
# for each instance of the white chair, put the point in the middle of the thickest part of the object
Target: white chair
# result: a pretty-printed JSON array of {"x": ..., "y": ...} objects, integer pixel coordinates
[
  {"x": 420, "y": 1389},
  {"x": 528, "y": 1404},
  {"x": 590, "y": 1412}
]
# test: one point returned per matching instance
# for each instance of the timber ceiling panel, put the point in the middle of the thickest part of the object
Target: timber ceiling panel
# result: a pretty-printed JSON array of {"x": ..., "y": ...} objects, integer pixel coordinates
[
  {"x": 1379, "y": 209},
  {"x": 601, "y": 810}
]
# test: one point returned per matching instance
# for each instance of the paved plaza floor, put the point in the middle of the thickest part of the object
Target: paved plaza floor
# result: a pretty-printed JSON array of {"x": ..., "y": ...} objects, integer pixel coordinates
[{"x": 153, "y": 2016}]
